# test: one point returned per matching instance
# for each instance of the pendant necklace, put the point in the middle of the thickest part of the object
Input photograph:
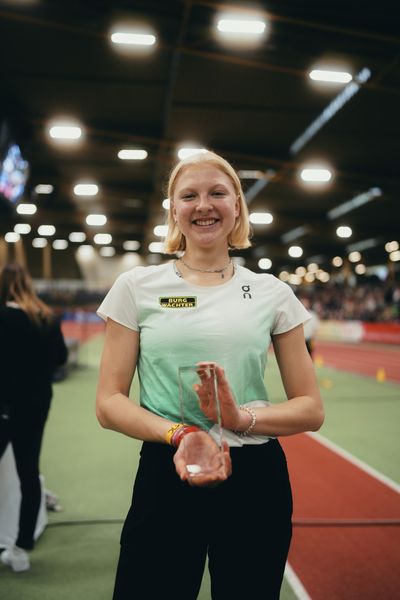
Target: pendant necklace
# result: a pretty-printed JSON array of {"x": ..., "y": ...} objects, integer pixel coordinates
[{"x": 222, "y": 270}]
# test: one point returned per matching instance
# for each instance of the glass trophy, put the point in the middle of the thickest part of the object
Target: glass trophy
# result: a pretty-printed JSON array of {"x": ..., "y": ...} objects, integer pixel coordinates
[{"x": 202, "y": 458}]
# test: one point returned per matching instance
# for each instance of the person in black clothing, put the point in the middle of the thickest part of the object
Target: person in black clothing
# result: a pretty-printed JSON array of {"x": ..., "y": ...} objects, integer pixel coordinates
[{"x": 31, "y": 347}]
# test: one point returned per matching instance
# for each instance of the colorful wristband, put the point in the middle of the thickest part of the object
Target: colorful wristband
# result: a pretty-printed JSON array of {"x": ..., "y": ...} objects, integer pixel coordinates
[
  {"x": 180, "y": 433},
  {"x": 171, "y": 431}
]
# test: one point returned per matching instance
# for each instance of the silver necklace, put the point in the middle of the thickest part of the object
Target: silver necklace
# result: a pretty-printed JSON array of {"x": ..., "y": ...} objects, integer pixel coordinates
[{"x": 222, "y": 270}]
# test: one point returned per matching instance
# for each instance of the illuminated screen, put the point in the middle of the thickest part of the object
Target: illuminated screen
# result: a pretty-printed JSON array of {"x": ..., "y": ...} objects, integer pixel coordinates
[{"x": 14, "y": 172}]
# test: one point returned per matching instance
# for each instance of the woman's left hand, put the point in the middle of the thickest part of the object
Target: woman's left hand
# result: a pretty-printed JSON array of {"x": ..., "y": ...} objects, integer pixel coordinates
[{"x": 231, "y": 417}]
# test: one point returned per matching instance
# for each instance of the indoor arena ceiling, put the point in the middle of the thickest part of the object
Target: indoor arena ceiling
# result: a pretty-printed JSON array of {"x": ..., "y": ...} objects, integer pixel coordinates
[{"x": 253, "y": 103}]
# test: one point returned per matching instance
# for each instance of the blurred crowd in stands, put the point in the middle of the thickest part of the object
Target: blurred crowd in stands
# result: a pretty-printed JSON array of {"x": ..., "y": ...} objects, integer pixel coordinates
[{"x": 372, "y": 301}]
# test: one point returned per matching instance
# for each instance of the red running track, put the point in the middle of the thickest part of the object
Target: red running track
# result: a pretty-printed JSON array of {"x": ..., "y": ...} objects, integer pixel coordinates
[
  {"x": 350, "y": 562},
  {"x": 364, "y": 359}
]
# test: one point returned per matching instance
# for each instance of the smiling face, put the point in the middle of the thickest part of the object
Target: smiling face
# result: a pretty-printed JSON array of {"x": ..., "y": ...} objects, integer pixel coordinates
[{"x": 205, "y": 205}]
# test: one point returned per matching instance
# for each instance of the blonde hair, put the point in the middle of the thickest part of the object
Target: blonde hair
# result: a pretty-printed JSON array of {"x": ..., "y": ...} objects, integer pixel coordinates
[
  {"x": 239, "y": 236},
  {"x": 16, "y": 286}
]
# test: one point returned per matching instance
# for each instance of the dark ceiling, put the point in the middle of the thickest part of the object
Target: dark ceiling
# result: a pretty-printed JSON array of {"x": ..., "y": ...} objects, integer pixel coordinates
[{"x": 248, "y": 104}]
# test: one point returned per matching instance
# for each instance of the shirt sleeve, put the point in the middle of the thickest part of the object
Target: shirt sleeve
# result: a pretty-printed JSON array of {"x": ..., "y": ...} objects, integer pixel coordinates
[
  {"x": 120, "y": 303},
  {"x": 290, "y": 312}
]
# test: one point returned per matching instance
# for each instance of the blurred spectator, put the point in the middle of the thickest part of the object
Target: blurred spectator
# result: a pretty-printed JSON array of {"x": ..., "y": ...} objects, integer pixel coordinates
[{"x": 32, "y": 346}]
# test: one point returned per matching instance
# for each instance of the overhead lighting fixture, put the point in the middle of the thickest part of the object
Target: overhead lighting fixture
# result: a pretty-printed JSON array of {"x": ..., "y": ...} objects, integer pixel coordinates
[
  {"x": 157, "y": 247},
  {"x": 47, "y": 230},
  {"x": 85, "y": 252},
  {"x": 132, "y": 154},
  {"x": 364, "y": 244},
  {"x": 264, "y": 218},
  {"x": 39, "y": 242},
  {"x": 360, "y": 269},
  {"x": 355, "y": 202},
  {"x": 103, "y": 238},
  {"x": 283, "y": 276},
  {"x": 107, "y": 251},
  {"x": 295, "y": 251},
  {"x": 337, "y": 261},
  {"x": 354, "y": 256},
  {"x": 65, "y": 131},
  {"x": 251, "y": 174},
  {"x": 316, "y": 175},
  {"x": 395, "y": 256},
  {"x": 330, "y": 76},
  {"x": 309, "y": 277},
  {"x": 86, "y": 189},
  {"x": 160, "y": 230},
  {"x": 294, "y": 279},
  {"x": 132, "y": 38},
  {"x": 11, "y": 237},
  {"x": 44, "y": 188},
  {"x": 185, "y": 152},
  {"x": 96, "y": 219},
  {"x": 265, "y": 264},
  {"x": 324, "y": 277},
  {"x": 344, "y": 231},
  {"x": 22, "y": 228},
  {"x": 166, "y": 203},
  {"x": 131, "y": 245},
  {"x": 26, "y": 209},
  {"x": 312, "y": 267},
  {"x": 77, "y": 236},
  {"x": 392, "y": 246},
  {"x": 60, "y": 244},
  {"x": 301, "y": 271},
  {"x": 236, "y": 24}
]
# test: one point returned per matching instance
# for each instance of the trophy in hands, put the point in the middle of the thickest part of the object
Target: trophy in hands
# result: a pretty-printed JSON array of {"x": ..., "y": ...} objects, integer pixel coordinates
[{"x": 198, "y": 397}]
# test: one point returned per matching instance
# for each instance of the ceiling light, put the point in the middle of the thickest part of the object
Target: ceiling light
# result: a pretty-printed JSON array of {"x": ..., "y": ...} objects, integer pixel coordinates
[
  {"x": 315, "y": 175},
  {"x": 264, "y": 218},
  {"x": 392, "y": 246},
  {"x": 324, "y": 277},
  {"x": 39, "y": 242},
  {"x": 160, "y": 230},
  {"x": 344, "y": 232},
  {"x": 26, "y": 209},
  {"x": 243, "y": 26},
  {"x": 85, "y": 252},
  {"x": 11, "y": 237},
  {"x": 251, "y": 174},
  {"x": 309, "y": 277},
  {"x": 395, "y": 256},
  {"x": 185, "y": 152},
  {"x": 156, "y": 247},
  {"x": 166, "y": 203},
  {"x": 22, "y": 228},
  {"x": 131, "y": 245},
  {"x": 133, "y": 38},
  {"x": 46, "y": 230},
  {"x": 301, "y": 271},
  {"x": 283, "y": 276},
  {"x": 337, "y": 261},
  {"x": 360, "y": 269},
  {"x": 294, "y": 279},
  {"x": 295, "y": 251},
  {"x": 65, "y": 131},
  {"x": 107, "y": 251},
  {"x": 77, "y": 236},
  {"x": 294, "y": 234},
  {"x": 96, "y": 220},
  {"x": 86, "y": 189},
  {"x": 330, "y": 76},
  {"x": 354, "y": 256},
  {"x": 132, "y": 154},
  {"x": 355, "y": 202},
  {"x": 44, "y": 188},
  {"x": 312, "y": 267},
  {"x": 102, "y": 238},
  {"x": 265, "y": 264},
  {"x": 60, "y": 244}
]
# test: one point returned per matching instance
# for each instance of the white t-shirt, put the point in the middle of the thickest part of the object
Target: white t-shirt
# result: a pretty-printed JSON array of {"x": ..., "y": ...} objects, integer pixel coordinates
[{"x": 182, "y": 324}]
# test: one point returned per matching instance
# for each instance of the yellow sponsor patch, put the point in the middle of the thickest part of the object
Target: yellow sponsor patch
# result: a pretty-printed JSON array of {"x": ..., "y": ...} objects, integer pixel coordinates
[{"x": 178, "y": 302}]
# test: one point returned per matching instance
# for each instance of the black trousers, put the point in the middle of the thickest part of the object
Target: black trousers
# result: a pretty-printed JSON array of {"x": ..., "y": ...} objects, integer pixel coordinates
[
  {"x": 244, "y": 525},
  {"x": 25, "y": 432}
]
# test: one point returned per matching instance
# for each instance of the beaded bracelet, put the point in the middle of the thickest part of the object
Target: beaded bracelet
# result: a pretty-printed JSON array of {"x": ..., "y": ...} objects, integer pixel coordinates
[{"x": 253, "y": 421}]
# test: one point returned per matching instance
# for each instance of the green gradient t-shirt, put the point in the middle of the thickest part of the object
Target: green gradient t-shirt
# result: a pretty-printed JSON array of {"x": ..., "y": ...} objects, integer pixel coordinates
[{"x": 182, "y": 324}]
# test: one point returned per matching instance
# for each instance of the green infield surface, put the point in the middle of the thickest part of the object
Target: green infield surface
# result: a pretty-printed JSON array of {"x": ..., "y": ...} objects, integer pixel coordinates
[{"x": 92, "y": 471}]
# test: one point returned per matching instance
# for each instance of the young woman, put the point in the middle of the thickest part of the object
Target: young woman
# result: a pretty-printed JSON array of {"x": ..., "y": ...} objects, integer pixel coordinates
[
  {"x": 31, "y": 347},
  {"x": 203, "y": 308}
]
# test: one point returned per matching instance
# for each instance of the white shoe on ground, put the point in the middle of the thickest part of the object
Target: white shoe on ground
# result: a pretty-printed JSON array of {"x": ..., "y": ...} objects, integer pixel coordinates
[{"x": 16, "y": 558}]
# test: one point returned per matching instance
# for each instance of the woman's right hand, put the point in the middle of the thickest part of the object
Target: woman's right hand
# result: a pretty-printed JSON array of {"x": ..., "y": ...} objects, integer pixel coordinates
[{"x": 200, "y": 461}]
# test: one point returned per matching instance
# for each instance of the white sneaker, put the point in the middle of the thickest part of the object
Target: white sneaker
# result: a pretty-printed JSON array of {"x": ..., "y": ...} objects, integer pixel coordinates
[{"x": 16, "y": 558}]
